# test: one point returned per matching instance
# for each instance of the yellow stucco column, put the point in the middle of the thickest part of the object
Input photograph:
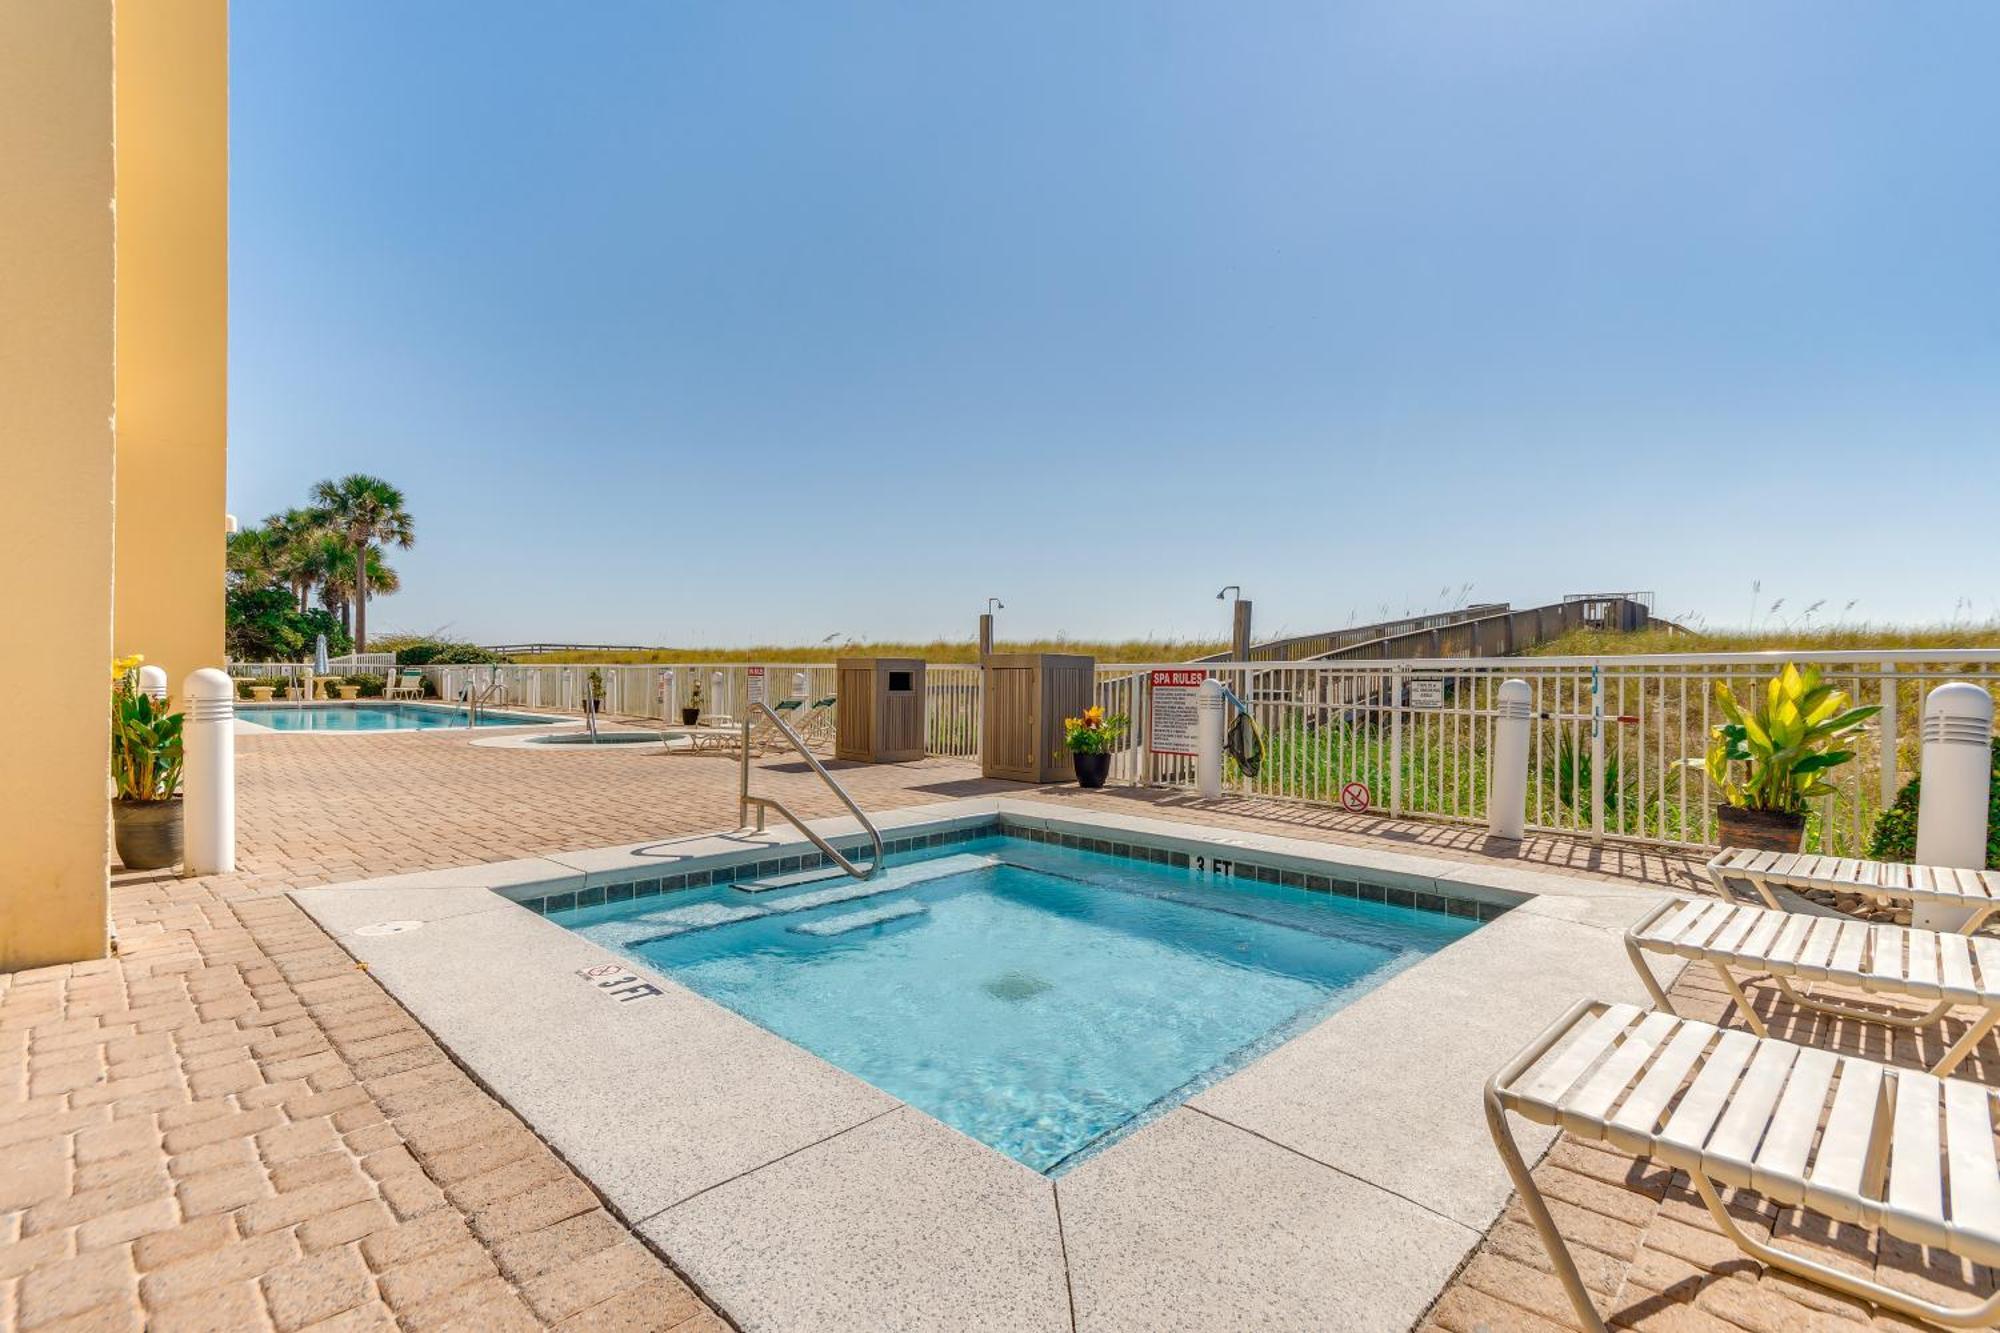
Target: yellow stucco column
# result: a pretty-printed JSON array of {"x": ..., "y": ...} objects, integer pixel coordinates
[
  {"x": 114, "y": 148},
  {"x": 173, "y": 330},
  {"x": 56, "y": 469}
]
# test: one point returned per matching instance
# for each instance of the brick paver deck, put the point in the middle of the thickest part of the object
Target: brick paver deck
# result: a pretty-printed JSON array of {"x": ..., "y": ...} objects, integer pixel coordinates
[{"x": 230, "y": 1125}]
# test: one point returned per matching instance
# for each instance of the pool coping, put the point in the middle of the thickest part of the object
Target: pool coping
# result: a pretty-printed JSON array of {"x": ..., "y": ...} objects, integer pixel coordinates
[
  {"x": 1338, "y": 1179},
  {"x": 246, "y": 709}
]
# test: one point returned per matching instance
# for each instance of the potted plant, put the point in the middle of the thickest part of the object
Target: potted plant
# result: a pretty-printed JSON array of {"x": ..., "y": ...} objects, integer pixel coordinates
[
  {"x": 146, "y": 771},
  {"x": 1783, "y": 750},
  {"x": 1091, "y": 739},
  {"x": 349, "y": 687},
  {"x": 691, "y": 710},
  {"x": 593, "y": 697}
]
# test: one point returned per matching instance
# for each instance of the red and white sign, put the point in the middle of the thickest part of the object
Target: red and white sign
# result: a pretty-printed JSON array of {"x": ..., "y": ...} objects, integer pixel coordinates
[
  {"x": 1354, "y": 796},
  {"x": 756, "y": 684},
  {"x": 1176, "y": 721}
]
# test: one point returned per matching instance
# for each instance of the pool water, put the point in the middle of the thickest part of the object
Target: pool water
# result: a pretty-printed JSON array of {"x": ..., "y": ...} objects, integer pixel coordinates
[
  {"x": 372, "y": 717},
  {"x": 1043, "y": 1000}
]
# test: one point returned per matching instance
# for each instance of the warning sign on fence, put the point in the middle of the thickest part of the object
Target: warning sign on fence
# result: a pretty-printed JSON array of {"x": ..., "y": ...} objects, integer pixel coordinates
[
  {"x": 1174, "y": 695},
  {"x": 755, "y": 692},
  {"x": 1426, "y": 692}
]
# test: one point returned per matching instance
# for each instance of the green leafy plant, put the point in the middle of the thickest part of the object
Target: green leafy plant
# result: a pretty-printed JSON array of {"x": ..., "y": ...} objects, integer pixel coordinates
[
  {"x": 443, "y": 652},
  {"x": 1571, "y": 776},
  {"x": 1094, "y": 733},
  {"x": 1784, "y": 747},
  {"x": 145, "y": 739},
  {"x": 1894, "y": 837}
]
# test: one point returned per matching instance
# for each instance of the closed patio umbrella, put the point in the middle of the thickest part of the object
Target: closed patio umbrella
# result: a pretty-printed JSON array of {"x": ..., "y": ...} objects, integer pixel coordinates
[{"x": 320, "y": 665}]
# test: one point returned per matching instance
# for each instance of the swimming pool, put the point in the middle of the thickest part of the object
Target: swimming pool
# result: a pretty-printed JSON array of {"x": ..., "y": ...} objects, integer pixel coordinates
[
  {"x": 374, "y": 717},
  {"x": 1045, "y": 1000}
]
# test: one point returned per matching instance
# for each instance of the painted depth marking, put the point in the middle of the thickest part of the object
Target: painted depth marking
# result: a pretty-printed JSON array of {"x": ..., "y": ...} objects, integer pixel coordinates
[{"x": 615, "y": 980}]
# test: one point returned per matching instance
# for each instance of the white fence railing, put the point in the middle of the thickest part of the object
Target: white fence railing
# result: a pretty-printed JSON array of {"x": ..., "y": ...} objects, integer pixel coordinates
[
  {"x": 1412, "y": 738},
  {"x": 1403, "y": 738}
]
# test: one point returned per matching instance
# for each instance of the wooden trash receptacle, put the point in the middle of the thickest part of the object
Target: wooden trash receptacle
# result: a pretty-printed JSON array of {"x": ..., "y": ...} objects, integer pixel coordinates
[
  {"x": 879, "y": 713},
  {"x": 1021, "y": 725}
]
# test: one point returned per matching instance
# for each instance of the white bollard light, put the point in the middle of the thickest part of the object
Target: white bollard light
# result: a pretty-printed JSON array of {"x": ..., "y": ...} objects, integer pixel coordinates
[
  {"x": 1208, "y": 739},
  {"x": 153, "y": 681},
  {"x": 1507, "y": 792},
  {"x": 208, "y": 739},
  {"x": 1957, "y": 777}
]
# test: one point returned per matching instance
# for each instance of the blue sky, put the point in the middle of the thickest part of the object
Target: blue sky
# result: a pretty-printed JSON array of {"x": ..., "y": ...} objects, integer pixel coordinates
[{"x": 710, "y": 323}]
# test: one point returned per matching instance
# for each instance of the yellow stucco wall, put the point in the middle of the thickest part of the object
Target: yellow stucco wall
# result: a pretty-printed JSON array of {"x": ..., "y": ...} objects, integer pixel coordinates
[
  {"x": 113, "y": 363},
  {"x": 173, "y": 320},
  {"x": 56, "y": 400}
]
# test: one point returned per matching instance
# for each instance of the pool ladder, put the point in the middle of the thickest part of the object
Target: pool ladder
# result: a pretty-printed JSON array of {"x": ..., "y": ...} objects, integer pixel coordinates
[
  {"x": 746, "y": 802},
  {"x": 477, "y": 698}
]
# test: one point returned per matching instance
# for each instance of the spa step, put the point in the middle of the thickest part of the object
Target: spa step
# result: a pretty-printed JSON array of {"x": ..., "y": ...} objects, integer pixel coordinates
[
  {"x": 850, "y": 921},
  {"x": 896, "y": 877},
  {"x": 792, "y": 879},
  {"x": 631, "y": 930}
]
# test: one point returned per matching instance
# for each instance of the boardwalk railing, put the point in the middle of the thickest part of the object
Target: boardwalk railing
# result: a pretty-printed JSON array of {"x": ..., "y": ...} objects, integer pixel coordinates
[{"x": 1408, "y": 738}]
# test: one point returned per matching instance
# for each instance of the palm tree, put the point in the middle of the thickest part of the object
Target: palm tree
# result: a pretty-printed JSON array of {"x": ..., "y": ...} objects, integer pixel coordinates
[
  {"x": 336, "y": 585},
  {"x": 364, "y": 512},
  {"x": 297, "y": 538},
  {"x": 251, "y": 560}
]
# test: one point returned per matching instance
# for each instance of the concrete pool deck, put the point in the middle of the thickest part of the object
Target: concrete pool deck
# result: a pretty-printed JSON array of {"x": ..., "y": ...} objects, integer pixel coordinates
[
  {"x": 794, "y": 1195},
  {"x": 173, "y": 1155}
]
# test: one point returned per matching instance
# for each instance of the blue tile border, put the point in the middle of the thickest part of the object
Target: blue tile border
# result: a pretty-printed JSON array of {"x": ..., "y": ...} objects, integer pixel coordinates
[{"x": 1438, "y": 899}]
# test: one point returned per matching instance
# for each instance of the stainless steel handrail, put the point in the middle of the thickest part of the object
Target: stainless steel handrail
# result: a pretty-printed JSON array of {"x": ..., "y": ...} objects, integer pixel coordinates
[
  {"x": 477, "y": 698},
  {"x": 762, "y": 803}
]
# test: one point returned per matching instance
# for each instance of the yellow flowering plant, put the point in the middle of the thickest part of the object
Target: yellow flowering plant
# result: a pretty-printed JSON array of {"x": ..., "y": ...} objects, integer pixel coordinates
[
  {"x": 1094, "y": 732},
  {"x": 145, "y": 739}
]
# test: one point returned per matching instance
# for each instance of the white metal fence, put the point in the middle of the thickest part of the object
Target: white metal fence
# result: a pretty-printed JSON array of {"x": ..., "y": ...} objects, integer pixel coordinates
[
  {"x": 1405, "y": 738},
  {"x": 1413, "y": 737}
]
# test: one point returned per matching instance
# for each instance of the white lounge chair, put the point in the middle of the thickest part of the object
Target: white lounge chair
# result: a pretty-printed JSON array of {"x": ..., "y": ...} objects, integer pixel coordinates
[
  {"x": 1925, "y": 965},
  {"x": 815, "y": 726},
  {"x": 410, "y": 685},
  {"x": 1901, "y": 1152},
  {"x": 1976, "y": 891}
]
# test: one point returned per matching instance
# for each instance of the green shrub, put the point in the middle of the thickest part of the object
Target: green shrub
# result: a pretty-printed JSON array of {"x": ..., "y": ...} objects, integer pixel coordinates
[
  {"x": 266, "y": 625},
  {"x": 1895, "y": 835},
  {"x": 372, "y": 687},
  {"x": 443, "y": 652}
]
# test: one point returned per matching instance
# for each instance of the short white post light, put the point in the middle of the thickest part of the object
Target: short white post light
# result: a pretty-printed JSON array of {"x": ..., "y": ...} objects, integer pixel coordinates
[
  {"x": 1208, "y": 739},
  {"x": 153, "y": 681},
  {"x": 208, "y": 741},
  {"x": 1507, "y": 792},
  {"x": 1957, "y": 777}
]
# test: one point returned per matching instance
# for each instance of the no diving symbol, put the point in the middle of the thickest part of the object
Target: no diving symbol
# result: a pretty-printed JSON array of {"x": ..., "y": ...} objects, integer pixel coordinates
[
  {"x": 1354, "y": 796},
  {"x": 613, "y": 979}
]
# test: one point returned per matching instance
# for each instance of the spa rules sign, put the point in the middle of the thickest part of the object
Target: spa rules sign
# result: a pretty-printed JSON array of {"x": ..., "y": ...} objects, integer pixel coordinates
[{"x": 1174, "y": 715}]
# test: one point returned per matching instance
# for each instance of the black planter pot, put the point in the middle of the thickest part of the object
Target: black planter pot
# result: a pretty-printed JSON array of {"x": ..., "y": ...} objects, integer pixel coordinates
[
  {"x": 1759, "y": 830},
  {"x": 1091, "y": 769},
  {"x": 690, "y": 716},
  {"x": 147, "y": 834}
]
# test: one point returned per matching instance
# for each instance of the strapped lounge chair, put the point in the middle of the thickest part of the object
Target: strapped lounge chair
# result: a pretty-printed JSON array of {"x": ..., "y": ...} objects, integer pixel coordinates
[
  {"x": 1902, "y": 1152},
  {"x": 1976, "y": 891},
  {"x": 815, "y": 724},
  {"x": 404, "y": 685},
  {"x": 1945, "y": 969}
]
